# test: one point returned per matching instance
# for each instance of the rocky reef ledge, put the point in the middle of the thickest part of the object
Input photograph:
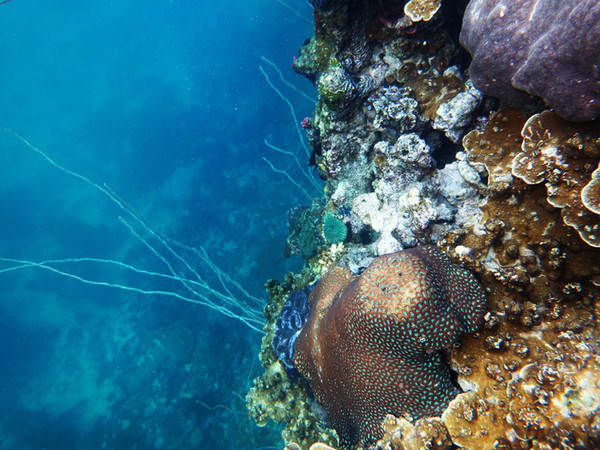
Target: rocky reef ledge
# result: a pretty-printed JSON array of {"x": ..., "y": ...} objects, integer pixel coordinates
[{"x": 491, "y": 162}]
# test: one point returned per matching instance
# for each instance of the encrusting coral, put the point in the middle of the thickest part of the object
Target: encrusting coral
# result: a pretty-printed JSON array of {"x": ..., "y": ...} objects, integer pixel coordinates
[
  {"x": 547, "y": 48},
  {"x": 371, "y": 344},
  {"x": 426, "y": 433},
  {"x": 422, "y": 9},
  {"x": 532, "y": 371},
  {"x": 563, "y": 155},
  {"x": 590, "y": 194}
]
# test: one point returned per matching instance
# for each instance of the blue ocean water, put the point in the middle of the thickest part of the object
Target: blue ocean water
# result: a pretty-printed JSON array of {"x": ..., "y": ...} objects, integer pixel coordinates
[{"x": 165, "y": 103}]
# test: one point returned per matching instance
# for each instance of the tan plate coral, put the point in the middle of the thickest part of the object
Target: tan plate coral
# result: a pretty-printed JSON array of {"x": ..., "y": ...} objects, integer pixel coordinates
[
  {"x": 532, "y": 373},
  {"x": 422, "y": 9},
  {"x": 590, "y": 194},
  {"x": 564, "y": 155}
]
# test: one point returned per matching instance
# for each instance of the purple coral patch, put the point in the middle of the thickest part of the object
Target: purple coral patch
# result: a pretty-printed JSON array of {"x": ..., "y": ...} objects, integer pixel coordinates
[{"x": 548, "y": 48}]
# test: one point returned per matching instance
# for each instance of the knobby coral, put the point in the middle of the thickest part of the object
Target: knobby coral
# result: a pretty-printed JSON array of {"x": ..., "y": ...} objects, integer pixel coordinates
[{"x": 372, "y": 343}]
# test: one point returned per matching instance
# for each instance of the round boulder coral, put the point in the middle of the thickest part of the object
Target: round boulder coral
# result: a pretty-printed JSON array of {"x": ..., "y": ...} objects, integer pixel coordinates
[
  {"x": 547, "y": 48},
  {"x": 372, "y": 343}
]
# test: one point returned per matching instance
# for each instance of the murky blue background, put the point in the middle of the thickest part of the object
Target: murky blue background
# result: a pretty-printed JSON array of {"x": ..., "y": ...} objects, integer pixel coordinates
[{"x": 164, "y": 102}]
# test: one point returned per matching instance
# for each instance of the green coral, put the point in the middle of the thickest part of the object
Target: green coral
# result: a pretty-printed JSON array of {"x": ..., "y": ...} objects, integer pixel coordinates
[
  {"x": 334, "y": 230},
  {"x": 335, "y": 87}
]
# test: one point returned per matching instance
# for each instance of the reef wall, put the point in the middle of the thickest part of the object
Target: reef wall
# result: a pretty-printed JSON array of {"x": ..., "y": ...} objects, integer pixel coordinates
[{"x": 413, "y": 154}]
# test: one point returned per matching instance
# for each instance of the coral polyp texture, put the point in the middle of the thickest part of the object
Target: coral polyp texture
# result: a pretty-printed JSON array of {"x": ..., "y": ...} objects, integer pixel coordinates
[
  {"x": 372, "y": 343},
  {"x": 547, "y": 48}
]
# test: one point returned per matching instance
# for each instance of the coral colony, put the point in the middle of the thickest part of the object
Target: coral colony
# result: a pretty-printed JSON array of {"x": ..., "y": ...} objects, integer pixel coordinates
[
  {"x": 451, "y": 291},
  {"x": 396, "y": 316}
]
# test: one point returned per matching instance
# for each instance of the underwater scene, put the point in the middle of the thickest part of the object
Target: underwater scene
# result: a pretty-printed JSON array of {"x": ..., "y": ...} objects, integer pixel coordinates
[
  {"x": 300, "y": 225},
  {"x": 161, "y": 106}
]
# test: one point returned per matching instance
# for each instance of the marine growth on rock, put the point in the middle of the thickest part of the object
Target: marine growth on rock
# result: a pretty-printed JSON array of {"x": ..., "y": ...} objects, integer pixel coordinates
[
  {"x": 547, "y": 48},
  {"x": 516, "y": 202},
  {"x": 372, "y": 343}
]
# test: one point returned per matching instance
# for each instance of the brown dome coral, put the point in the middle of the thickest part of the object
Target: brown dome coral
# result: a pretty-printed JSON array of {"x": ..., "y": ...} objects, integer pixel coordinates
[{"x": 371, "y": 345}]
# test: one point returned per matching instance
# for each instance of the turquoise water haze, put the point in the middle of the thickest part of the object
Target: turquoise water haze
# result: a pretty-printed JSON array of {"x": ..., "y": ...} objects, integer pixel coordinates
[{"x": 164, "y": 104}]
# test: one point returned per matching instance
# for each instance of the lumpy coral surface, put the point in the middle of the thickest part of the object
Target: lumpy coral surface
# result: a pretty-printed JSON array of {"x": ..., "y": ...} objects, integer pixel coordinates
[
  {"x": 547, "y": 48},
  {"x": 372, "y": 343}
]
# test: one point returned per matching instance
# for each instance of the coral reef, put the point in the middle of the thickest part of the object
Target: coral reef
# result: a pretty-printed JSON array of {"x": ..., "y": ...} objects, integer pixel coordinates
[
  {"x": 547, "y": 48},
  {"x": 414, "y": 154},
  {"x": 376, "y": 157},
  {"x": 396, "y": 316},
  {"x": 563, "y": 155}
]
